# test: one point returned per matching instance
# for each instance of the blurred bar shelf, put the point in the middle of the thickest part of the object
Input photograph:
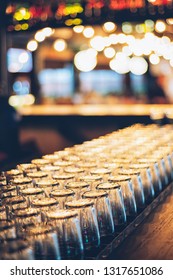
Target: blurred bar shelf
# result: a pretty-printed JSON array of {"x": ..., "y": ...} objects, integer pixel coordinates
[{"x": 95, "y": 110}]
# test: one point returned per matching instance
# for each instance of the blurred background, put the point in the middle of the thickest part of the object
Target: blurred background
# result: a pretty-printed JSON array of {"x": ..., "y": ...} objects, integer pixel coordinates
[{"x": 92, "y": 52}]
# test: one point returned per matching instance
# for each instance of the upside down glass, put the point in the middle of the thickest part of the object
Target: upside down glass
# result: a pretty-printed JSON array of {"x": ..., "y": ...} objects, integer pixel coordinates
[
  {"x": 136, "y": 184},
  {"x": 117, "y": 203},
  {"x": 88, "y": 221},
  {"x": 128, "y": 193},
  {"x": 103, "y": 210},
  {"x": 67, "y": 225},
  {"x": 44, "y": 242}
]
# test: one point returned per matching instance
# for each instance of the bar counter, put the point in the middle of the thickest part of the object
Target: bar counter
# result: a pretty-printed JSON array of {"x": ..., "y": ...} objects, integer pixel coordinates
[
  {"x": 152, "y": 240},
  {"x": 95, "y": 110}
]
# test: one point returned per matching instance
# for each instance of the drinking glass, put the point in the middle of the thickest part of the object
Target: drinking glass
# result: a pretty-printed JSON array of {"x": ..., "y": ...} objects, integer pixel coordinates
[
  {"x": 103, "y": 172},
  {"x": 117, "y": 203},
  {"x": 37, "y": 175},
  {"x": 3, "y": 214},
  {"x": 47, "y": 184},
  {"x": 62, "y": 163},
  {"x": 128, "y": 193},
  {"x": 11, "y": 202},
  {"x": 62, "y": 196},
  {"x": 76, "y": 171},
  {"x": 146, "y": 178},
  {"x": 12, "y": 174},
  {"x": 137, "y": 185},
  {"x": 50, "y": 169},
  {"x": 8, "y": 191},
  {"x": 162, "y": 168},
  {"x": 63, "y": 179},
  {"x": 155, "y": 173},
  {"x": 45, "y": 204},
  {"x": 27, "y": 167},
  {"x": 16, "y": 250},
  {"x": 79, "y": 187},
  {"x": 103, "y": 210},
  {"x": 44, "y": 241},
  {"x": 92, "y": 180},
  {"x": 67, "y": 224},
  {"x": 25, "y": 218},
  {"x": 88, "y": 221},
  {"x": 7, "y": 231},
  {"x": 32, "y": 193},
  {"x": 40, "y": 162},
  {"x": 22, "y": 183},
  {"x": 51, "y": 158}
]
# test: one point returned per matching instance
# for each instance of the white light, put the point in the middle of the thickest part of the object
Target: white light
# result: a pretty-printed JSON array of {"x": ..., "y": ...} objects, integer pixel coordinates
[
  {"x": 127, "y": 51},
  {"x": 21, "y": 100},
  {"x": 160, "y": 26},
  {"x": 15, "y": 67},
  {"x": 127, "y": 28},
  {"x": 113, "y": 39},
  {"x": 47, "y": 31},
  {"x": 154, "y": 59},
  {"x": 88, "y": 32},
  {"x": 29, "y": 99},
  {"x": 78, "y": 28},
  {"x": 109, "y": 26},
  {"x": 169, "y": 21},
  {"x": 109, "y": 52},
  {"x": 165, "y": 40},
  {"x": 122, "y": 38},
  {"x": 60, "y": 45},
  {"x": 23, "y": 57},
  {"x": 130, "y": 39},
  {"x": 120, "y": 63},
  {"x": 32, "y": 45},
  {"x": 97, "y": 43},
  {"x": 39, "y": 36},
  {"x": 85, "y": 61},
  {"x": 138, "y": 65},
  {"x": 107, "y": 41}
]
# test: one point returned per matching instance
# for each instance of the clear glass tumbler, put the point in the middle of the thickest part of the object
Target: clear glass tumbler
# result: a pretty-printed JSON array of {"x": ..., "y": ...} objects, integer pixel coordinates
[
  {"x": 128, "y": 194},
  {"x": 44, "y": 241},
  {"x": 117, "y": 203},
  {"x": 88, "y": 221},
  {"x": 103, "y": 209},
  {"x": 67, "y": 225}
]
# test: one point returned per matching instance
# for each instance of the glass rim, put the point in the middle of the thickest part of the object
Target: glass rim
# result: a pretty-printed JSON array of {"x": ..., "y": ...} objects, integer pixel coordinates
[
  {"x": 62, "y": 214},
  {"x": 62, "y": 193},
  {"x": 94, "y": 194},
  {"x": 108, "y": 186},
  {"x": 80, "y": 203}
]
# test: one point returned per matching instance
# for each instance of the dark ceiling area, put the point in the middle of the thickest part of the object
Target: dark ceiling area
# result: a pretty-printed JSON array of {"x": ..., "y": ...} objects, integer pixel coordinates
[{"x": 33, "y": 15}]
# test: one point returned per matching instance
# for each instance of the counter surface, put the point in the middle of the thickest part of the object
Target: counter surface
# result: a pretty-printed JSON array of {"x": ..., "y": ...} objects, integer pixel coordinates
[{"x": 152, "y": 240}]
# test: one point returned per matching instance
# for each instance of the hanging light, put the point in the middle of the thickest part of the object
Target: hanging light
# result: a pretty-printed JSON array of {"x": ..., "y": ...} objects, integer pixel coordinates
[
  {"x": 120, "y": 63},
  {"x": 109, "y": 52},
  {"x": 86, "y": 60},
  {"x": 154, "y": 59},
  {"x": 109, "y": 26},
  {"x": 138, "y": 65},
  {"x": 32, "y": 45},
  {"x": 60, "y": 45},
  {"x": 97, "y": 43},
  {"x": 88, "y": 32}
]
